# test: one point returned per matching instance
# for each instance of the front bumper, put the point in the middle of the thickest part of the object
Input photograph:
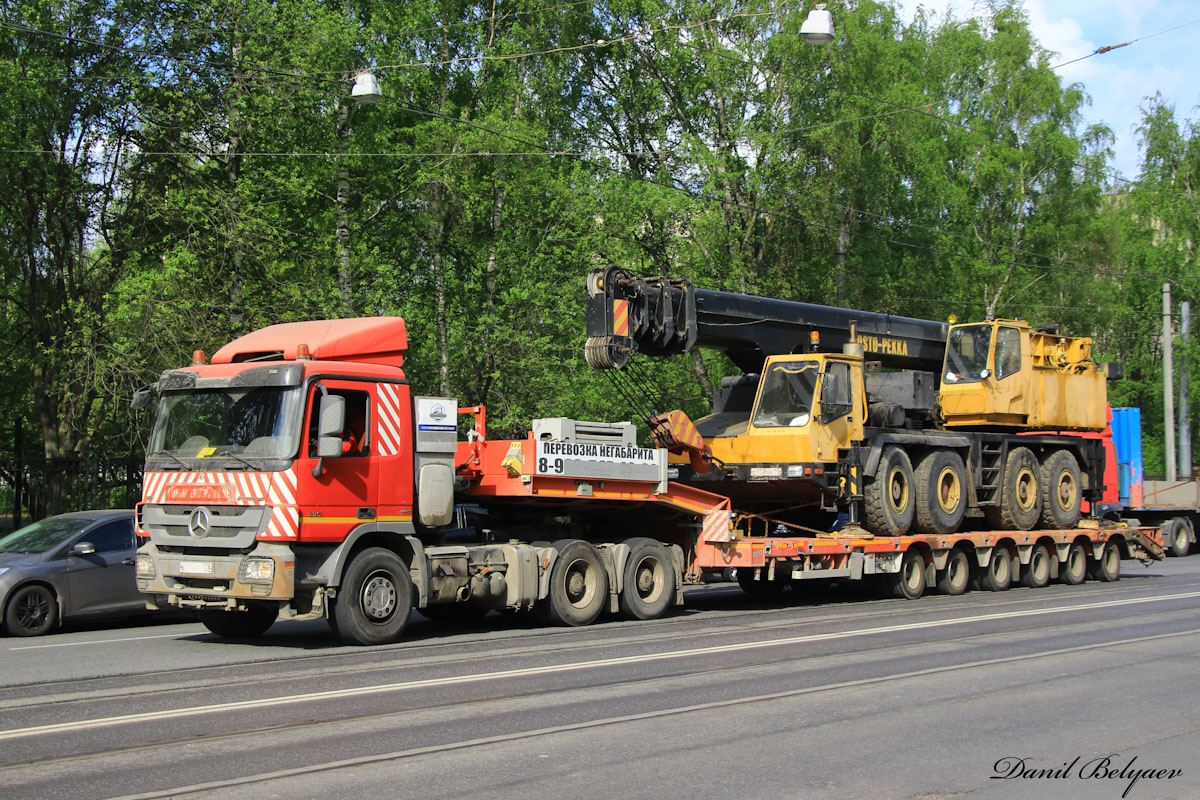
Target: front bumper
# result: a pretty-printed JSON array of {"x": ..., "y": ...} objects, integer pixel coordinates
[{"x": 214, "y": 579}]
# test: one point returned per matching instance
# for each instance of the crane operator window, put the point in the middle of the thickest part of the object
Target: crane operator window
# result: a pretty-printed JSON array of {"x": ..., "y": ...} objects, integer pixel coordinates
[
  {"x": 787, "y": 394},
  {"x": 967, "y": 354}
]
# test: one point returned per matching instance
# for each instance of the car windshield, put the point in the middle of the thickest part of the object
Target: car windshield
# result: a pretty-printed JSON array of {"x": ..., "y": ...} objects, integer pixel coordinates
[
  {"x": 43, "y": 535},
  {"x": 787, "y": 394},
  {"x": 967, "y": 354},
  {"x": 260, "y": 422}
]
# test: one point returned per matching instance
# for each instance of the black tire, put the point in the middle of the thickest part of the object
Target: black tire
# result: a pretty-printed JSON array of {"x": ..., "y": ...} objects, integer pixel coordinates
[
  {"x": 997, "y": 575},
  {"x": 461, "y": 613},
  {"x": 1074, "y": 570},
  {"x": 1175, "y": 537},
  {"x": 956, "y": 577},
  {"x": 760, "y": 586},
  {"x": 909, "y": 582},
  {"x": 1036, "y": 573},
  {"x": 941, "y": 485},
  {"x": 1108, "y": 567},
  {"x": 1062, "y": 492},
  {"x": 374, "y": 601},
  {"x": 890, "y": 500},
  {"x": 32, "y": 611},
  {"x": 578, "y": 585},
  {"x": 247, "y": 624},
  {"x": 1020, "y": 498},
  {"x": 648, "y": 580}
]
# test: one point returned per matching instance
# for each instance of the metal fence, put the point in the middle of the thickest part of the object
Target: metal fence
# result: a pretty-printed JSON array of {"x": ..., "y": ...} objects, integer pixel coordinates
[{"x": 33, "y": 487}]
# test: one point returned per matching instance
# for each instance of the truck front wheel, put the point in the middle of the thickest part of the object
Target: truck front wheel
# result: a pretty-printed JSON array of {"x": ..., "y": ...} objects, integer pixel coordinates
[
  {"x": 375, "y": 598},
  {"x": 578, "y": 585},
  {"x": 247, "y": 624}
]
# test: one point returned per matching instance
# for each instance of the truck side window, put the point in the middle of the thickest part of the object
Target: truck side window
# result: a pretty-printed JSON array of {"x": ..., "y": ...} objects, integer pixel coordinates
[
  {"x": 1008, "y": 352},
  {"x": 835, "y": 392},
  {"x": 354, "y": 436}
]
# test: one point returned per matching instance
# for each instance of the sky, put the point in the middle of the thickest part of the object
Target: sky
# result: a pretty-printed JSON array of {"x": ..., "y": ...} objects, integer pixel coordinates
[{"x": 1119, "y": 81}]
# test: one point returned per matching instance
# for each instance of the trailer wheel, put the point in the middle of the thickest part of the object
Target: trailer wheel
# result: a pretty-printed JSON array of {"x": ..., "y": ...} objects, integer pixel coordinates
[
  {"x": 648, "y": 584},
  {"x": 578, "y": 585},
  {"x": 247, "y": 624},
  {"x": 1074, "y": 570},
  {"x": 1020, "y": 499},
  {"x": 1061, "y": 495},
  {"x": 956, "y": 577},
  {"x": 890, "y": 502},
  {"x": 909, "y": 582},
  {"x": 375, "y": 600},
  {"x": 761, "y": 586},
  {"x": 941, "y": 492},
  {"x": 997, "y": 575},
  {"x": 1036, "y": 574},
  {"x": 1108, "y": 567},
  {"x": 1175, "y": 536}
]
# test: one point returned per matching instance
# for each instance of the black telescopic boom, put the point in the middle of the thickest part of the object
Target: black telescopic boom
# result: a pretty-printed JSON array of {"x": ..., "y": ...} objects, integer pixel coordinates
[{"x": 663, "y": 317}]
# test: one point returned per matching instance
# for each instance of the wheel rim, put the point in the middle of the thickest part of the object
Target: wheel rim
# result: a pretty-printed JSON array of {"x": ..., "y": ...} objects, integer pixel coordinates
[
  {"x": 1068, "y": 491},
  {"x": 949, "y": 490},
  {"x": 898, "y": 489},
  {"x": 649, "y": 578},
  {"x": 1039, "y": 566},
  {"x": 32, "y": 611},
  {"x": 914, "y": 575},
  {"x": 1001, "y": 567},
  {"x": 379, "y": 596},
  {"x": 1077, "y": 562},
  {"x": 580, "y": 583},
  {"x": 956, "y": 571},
  {"x": 1026, "y": 487}
]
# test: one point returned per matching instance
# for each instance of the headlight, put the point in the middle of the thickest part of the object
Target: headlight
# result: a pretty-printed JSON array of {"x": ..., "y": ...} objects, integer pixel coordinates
[
  {"x": 256, "y": 570},
  {"x": 145, "y": 566}
]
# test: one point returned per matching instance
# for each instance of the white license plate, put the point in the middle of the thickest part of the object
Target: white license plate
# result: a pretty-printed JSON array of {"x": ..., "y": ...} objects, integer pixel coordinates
[{"x": 196, "y": 567}]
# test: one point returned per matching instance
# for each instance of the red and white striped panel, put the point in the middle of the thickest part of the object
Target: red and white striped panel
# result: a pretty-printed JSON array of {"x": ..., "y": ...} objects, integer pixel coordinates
[
  {"x": 274, "y": 489},
  {"x": 387, "y": 419},
  {"x": 717, "y": 527}
]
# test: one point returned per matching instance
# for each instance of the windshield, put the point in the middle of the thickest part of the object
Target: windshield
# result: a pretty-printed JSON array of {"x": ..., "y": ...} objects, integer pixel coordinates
[
  {"x": 787, "y": 394},
  {"x": 42, "y": 535},
  {"x": 258, "y": 422},
  {"x": 967, "y": 354}
]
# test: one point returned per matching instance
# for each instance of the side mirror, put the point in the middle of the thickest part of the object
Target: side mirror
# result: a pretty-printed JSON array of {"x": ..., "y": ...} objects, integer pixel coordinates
[
  {"x": 331, "y": 426},
  {"x": 83, "y": 549},
  {"x": 142, "y": 397}
]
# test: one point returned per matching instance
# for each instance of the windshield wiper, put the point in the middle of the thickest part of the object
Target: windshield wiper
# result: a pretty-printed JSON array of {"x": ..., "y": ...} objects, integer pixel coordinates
[
  {"x": 236, "y": 457},
  {"x": 177, "y": 459}
]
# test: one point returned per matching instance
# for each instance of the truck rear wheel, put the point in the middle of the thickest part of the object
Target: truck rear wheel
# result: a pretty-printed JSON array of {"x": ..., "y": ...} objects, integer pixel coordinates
[
  {"x": 1036, "y": 573},
  {"x": 1061, "y": 495},
  {"x": 375, "y": 599},
  {"x": 1108, "y": 567},
  {"x": 997, "y": 575},
  {"x": 941, "y": 493},
  {"x": 760, "y": 586},
  {"x": 578, "y": 585},
  {"x": 956, "y": 577},
  {"x": 1020, "y": 498},
  {"x": 648, "y": 580},
  {"x": 1175, "y": 536},
  {"x": 247, "y": 624},
  {"x": 1075, "y": 568},
  {"x": 890, "y": 501}
]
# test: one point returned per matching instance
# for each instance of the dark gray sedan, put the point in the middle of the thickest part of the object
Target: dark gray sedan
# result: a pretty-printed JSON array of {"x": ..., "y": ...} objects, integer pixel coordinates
[{"x": 72, "y": 566}]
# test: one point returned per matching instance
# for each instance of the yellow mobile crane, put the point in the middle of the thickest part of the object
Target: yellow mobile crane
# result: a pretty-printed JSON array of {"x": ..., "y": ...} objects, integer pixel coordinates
[{"x": 898, "y": 422}]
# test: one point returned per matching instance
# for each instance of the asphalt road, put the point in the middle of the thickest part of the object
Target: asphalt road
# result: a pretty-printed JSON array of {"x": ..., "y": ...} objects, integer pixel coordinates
[{"x": 1064, "y": 692}]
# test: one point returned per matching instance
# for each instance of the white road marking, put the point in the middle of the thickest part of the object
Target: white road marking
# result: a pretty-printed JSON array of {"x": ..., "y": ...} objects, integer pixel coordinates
[
  {"x": 97, "y": 641},
  {"x": 266, "y": 702}
]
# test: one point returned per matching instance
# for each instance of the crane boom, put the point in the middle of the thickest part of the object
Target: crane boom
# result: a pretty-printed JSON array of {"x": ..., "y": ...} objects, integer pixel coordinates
[{"x": 664, "y": 316}]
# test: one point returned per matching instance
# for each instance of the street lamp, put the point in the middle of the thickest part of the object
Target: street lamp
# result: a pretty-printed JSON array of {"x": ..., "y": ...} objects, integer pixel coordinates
[
  {"x": 818, "y": 27},
  {"x": 366, "y": 88}
]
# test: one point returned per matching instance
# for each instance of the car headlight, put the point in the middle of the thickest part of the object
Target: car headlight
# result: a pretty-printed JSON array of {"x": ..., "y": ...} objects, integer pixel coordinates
[
  {"x": 145, "y": 566},
  {"x": 256, "y": 570}
]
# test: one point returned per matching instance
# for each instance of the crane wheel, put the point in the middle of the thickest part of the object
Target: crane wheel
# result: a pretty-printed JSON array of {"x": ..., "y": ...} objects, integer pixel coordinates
[
  {"x": 889, "y": 498},
  {"x": 940, "y": 481},
  {"x": 578, "y": 585},
  {"x": 1061, "y": 495},
  {"x": 1020, "y": 497},
  {"x": 648, "y": 580}
]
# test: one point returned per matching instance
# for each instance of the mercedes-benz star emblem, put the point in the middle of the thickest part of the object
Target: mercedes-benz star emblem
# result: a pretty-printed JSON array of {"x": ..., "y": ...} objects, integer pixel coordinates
[{"x": 198, "y": 523}]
